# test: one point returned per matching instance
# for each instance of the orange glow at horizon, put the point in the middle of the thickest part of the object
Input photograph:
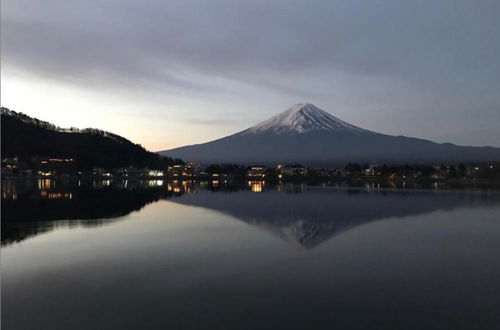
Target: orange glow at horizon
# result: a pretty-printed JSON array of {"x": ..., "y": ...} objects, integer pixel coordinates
[{"x": 67, "y": 105}]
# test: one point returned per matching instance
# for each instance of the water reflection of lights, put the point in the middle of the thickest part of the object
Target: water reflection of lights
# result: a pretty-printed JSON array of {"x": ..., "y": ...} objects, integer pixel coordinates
[
  {"x": 188, "y": 187},
  {"x": 155, "y": 183},
  {"x": 256, "y": 186},
  {"x": 55, "y": 195},
  {"x": 9, "y": 190},
  {"x": 46, "y": 184},
  {"x": 175, "y": 186},
  {"x": 101, "y": 183}
]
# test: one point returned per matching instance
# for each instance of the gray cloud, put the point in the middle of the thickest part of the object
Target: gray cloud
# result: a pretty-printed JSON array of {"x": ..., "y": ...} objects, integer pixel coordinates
[{"x": 373, "y": 58}]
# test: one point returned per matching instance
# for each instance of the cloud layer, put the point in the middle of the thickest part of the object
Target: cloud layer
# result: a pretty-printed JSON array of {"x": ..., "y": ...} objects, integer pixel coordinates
[{"x": 430, "y": 68}]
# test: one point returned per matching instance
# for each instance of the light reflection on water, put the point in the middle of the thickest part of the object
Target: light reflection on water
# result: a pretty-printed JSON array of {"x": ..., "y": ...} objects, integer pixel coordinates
[{"x": 180, "y": 256}]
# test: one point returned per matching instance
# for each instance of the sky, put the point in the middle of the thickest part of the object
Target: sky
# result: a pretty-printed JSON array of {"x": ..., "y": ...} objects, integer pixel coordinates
[{"x": 170, "y": 73}]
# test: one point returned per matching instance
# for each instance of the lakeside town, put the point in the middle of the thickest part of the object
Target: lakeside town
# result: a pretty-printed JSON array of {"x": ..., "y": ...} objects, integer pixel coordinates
[{"x": 55, "y": 168}]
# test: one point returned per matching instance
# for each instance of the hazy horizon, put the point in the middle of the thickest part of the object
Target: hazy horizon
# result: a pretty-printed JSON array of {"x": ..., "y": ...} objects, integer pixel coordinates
[{"x": 168, "y": 74}]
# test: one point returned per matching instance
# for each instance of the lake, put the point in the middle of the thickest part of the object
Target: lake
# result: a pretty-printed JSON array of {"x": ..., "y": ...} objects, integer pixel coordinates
[{"x": 158, "y": 255}]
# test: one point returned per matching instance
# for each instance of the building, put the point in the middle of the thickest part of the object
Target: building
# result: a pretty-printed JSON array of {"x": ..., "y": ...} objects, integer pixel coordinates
[
  {"x": 256, "y": 173},
  {"x": 10, "y": 162},
  {"x": 372, "y": 170},
  {"x": 191, "y": 170},
  {"x": 322, "y": 172},
  {"x": 9, "y": 166},
  {"x": 221, "y": 178},
  {"x": 50, "y": 166},
  {"x": 293, "y": 170},
  {"x": 175, "y": 171},
  {"x": 154, "y": 173},
  {"x": 340, "y": 173},
  {"x": 126, "y": 172}
]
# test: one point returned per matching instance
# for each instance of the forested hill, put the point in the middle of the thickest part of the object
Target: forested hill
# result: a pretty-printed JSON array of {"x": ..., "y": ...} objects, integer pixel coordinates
[{"x": 27, "y": 137}]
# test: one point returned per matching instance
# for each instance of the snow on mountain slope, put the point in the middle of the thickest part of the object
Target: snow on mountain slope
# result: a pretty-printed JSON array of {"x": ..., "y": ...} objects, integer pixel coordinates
[{"x": 301, "y": 118}]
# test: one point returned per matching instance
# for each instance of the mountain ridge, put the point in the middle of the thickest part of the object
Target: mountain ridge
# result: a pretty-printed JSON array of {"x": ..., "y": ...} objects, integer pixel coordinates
[
  {"x": 26, "y": 137},
  {"x": 306, "y": 134}
]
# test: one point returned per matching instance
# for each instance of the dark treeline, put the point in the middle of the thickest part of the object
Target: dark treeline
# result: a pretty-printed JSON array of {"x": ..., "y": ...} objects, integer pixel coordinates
[
  {"x": 25, "y": 137},
  {"x": 443, "y": 171},
  {"x": 354, "y": 171}
]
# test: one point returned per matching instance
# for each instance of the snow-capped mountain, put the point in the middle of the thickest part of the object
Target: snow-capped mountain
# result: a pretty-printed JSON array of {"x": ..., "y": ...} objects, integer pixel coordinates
[
  {"x": 302, "y": 118},
  {"x": 308, "y": 135}
]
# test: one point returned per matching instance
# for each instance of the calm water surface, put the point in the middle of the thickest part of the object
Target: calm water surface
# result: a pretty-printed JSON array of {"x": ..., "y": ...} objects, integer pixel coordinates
[{"x": 163, "y": 256}]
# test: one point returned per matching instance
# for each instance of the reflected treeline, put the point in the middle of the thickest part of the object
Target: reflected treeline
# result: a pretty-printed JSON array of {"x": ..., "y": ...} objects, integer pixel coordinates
[
  {"x": 32, "y": 207},
  {"x": 301, "y": 215}
]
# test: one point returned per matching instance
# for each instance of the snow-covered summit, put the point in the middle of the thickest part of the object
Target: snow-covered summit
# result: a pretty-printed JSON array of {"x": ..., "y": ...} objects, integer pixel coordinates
[{"x": 301, "y": 118}]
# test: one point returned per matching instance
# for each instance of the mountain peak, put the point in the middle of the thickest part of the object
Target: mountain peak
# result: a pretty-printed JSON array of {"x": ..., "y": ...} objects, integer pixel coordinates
[{"x": 301, "y": 118}]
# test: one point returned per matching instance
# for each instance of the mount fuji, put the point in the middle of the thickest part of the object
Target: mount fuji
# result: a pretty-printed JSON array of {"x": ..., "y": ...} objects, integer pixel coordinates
[{"x": 311, "y": 136}]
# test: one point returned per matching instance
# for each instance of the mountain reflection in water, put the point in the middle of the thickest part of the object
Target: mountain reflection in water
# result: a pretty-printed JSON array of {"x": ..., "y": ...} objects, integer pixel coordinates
[
  {"x": 302, "y": 216},
  {"x": 315, "y": 215}
]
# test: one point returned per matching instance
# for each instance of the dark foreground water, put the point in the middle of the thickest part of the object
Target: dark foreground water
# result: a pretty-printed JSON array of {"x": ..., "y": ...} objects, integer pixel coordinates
[{"x": 173, "y": 256}]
